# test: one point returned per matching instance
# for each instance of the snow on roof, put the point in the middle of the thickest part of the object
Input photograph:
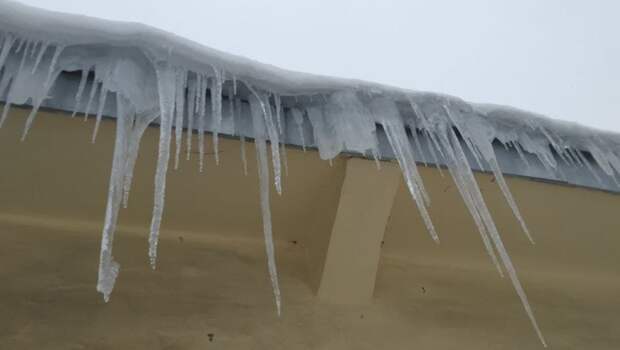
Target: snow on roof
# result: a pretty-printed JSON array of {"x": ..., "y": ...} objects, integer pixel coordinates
[{"x": 144, "y": 75}]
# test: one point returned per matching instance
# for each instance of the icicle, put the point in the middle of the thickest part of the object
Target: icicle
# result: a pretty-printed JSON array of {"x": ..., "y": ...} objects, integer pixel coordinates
[
  {"x": 299, "y": 121},
  {"x": 80, "y": 91},
  {"x": 386, "y": 113},
  {"x": 554, "y": 144},
  {"x": 283, "y": 140},
  {"x": 519, "y": 150},
  {"x": 237, "y": 116},
  {"x": 426, "y": 125},
  {"x": 201, "y": 123},
  {"x": 216, "y": 146},
  {"x": 418, "y": 146},
  {"x": 244, "y": 160},
  {"x": 142, "y": 121},
  {"x": 574, "y": 156},
  {"x": 91, "y": 97},
  {"x": 54, "y": 61},
  {"x": 475, "y": 152},
  {"x": 6, "y": 48},
  {"x": 486, "y": 149},
  {"x": 4, "y": 84},
  {"x": 499, "y": 176},
  {"x": 432, "y": 147},
  {"x": 284, "y": 159},
  {"x": 30, "y": 45},
  {"x": 20, "y": 45},
  {"x": 273, "y": 136},
  {"x": 472, "y": 187},
  {"x": 166, "y": 83},
  {"x": 25, "y": 55},
  {"x": 191, "y": 112},
  {"x": 470, "y": 204},
  {"x": 5, "y": 81},
  {"x": 283, "y": 149},
  {"x": 258, "y": 111},
  {"x": 605, "y": 160},
  {"x": 216, "y": 111},
  {"x": 465, "y": 180},
  {"x": 39, "y": 56},
  {"x": 34, "y": 48},
  {"x": 200, "y": 96},
  {"x": 108, "y": 268},
  {"x": 275, "y": 144},
  {"x": 234, "y": 80},
  {"x": 7, "y": 106},
  {"x": 392, "y": 120},
  {"x": 588, "y": 166},
  {"x": 402, "y": 149},
  {"x": 278, "y": 102},
  {"x": 231, "y": 108},
  {"x": 102, "y": 98},
  {"x": 180, "y": 110},
  {"x": 52, "y": 75},
  {"x": 375, "y": 156},
  {"x": 473, "y": 211}
]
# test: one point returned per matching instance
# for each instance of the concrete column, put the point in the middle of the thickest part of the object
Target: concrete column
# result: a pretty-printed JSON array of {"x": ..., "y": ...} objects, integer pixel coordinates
[{"x": 352, "y": 259}]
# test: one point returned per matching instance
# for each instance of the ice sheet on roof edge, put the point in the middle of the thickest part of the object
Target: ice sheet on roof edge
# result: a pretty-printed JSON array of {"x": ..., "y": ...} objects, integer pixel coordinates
[{"x": 154, "y": 75}]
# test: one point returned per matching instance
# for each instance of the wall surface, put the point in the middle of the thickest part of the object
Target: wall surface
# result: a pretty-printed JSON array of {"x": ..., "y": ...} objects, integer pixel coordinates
[{"x": 211, "y": 289}]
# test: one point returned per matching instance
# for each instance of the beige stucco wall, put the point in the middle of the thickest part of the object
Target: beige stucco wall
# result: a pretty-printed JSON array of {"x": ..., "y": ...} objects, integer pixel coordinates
[{"x": 212, "y": 277}]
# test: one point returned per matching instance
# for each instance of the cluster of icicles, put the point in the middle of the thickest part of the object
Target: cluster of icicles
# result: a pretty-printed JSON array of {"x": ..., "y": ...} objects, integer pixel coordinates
[{"x": 176, "y": 97}]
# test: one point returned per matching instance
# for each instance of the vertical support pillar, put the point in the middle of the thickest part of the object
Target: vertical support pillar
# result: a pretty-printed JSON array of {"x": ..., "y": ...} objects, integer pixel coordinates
[{"x": 352, "y": 258}]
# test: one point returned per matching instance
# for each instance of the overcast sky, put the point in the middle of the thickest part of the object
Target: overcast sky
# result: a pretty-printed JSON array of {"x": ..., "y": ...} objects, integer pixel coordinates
[{"x": 560, "y": 58}]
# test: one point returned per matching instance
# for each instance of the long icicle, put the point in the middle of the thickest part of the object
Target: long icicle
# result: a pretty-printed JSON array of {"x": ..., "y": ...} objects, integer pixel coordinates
[
  {"x": 202, "y": 110},
  {"x": 179, "y": 112},
  {"x": 298, "y": 117},
  {"x": 282, "y": 130},
  {"x": 108, "y": 268},
  {"x": 231, "y": 107},
  {"x": 284, "y": 156},
  {"x": 166, "y": 84},
  {"x": 272, "y": 134},
  {"x": 216, "y": 111},
  {"x": 471, "y": 207},
  {"x": 191, "y": 112},
  {"x": 499, "y": 176},
  {"x": 238, "y": 115},
  {"x": 278, "y": 104},
  {"x": 257, "y": 111},
  {"x": 408, "y": 167},
  {"x": 463, "y": 169},
  {"x": 486, "y": 149},
  {"x": 386, "y": 113}
]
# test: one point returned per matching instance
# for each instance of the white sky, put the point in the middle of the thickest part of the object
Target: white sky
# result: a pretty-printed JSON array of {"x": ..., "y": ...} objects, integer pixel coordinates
[{"x": 560, "y": 58}]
